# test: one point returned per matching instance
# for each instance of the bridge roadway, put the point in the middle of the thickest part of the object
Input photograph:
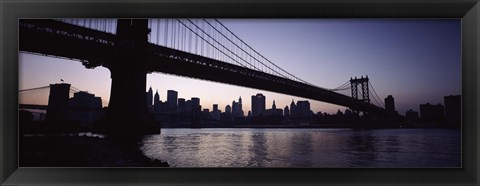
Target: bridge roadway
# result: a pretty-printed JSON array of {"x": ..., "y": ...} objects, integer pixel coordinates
[{"x": 93, "y": 48}]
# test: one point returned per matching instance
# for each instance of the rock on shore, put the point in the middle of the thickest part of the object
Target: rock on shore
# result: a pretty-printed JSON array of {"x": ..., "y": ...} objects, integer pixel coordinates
[{"x": 82, "y": 151}]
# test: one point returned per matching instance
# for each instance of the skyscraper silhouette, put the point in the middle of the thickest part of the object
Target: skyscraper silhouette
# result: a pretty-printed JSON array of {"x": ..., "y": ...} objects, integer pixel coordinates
[
  {"x": 390, "y": 104},
  {"x": 149, "y": 97},
  {"x": 228, "y": 109},
  {"x": 286, "y": 112},
  {"x": 258, "y": 105},
  {"x": 293, "y": 109},
  {"x": 453, "y": 109},
  {"x": 172, "y": 97},
  {"x": 156, "y": 102},
  {"x": 237, "y": 110}
]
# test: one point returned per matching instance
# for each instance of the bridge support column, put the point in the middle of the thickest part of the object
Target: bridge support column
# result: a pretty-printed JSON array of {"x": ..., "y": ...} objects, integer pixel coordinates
[{"x": 127, "y": 110}]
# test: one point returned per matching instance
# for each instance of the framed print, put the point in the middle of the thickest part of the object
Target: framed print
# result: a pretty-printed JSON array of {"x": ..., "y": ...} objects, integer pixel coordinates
[{"x": 287, "y": 93}]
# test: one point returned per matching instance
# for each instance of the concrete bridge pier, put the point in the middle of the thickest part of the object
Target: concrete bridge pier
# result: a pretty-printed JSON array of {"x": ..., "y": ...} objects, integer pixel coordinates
[{"x": 127, "y": 112}]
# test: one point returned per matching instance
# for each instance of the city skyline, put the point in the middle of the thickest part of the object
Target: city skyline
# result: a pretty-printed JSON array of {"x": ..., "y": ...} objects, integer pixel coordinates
[{"x": 424, "y": 64}]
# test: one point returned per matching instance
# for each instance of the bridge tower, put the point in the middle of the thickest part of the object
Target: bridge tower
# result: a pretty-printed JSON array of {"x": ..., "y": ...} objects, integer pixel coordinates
[
  {"x": 127, "y": 110},
  {"x": 57, "y": 111},
  {"x": 363, "y": 82}
]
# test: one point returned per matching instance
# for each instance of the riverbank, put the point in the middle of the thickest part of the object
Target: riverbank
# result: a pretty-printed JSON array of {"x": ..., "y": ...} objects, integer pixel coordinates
[{"x": 81, "y": 151}]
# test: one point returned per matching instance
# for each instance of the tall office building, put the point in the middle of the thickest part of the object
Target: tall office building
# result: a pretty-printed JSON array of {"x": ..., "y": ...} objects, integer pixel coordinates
[
  {"x": 182, "y": 107},
  {"x": 172, "y": 97},
  {"x": 215, "y": 112},
  {"x": 157, "y": 104},
  {"x": 390, "y": 104},
  {"x": 195, "y": 102},
  {"x": 453, "y": 109},
  {"x": 196, "y": 107},
  {"x": 149, "y": 97},
  {"x": 156, "y": 99},
  {"x": 228, "y": 109},
  {"x": 293, "y": 109},
  {"x": 258, "y": 105},
  {"x": 237, "y": 110},
  {"x": 286, "y": 112},
  {"x": 303, "y": 109}
]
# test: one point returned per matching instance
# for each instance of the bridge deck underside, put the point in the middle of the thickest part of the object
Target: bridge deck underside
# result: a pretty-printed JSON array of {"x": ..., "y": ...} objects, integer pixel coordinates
[{"x": 69, "y": 41}]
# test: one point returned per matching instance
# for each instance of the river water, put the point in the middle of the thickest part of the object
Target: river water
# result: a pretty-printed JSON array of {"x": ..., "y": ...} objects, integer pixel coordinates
[{"x": 306, "y": 147}]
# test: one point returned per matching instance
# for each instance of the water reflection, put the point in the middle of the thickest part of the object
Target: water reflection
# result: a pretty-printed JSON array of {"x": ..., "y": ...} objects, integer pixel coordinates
[
  {"x": 257, "y": 151},
  {"x": 302, "y": 149},
  {"x": 305, "y": 147}
]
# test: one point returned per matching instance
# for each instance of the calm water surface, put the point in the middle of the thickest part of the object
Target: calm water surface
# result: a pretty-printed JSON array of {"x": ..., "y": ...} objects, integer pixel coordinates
[{"x": 306, "y": 147}]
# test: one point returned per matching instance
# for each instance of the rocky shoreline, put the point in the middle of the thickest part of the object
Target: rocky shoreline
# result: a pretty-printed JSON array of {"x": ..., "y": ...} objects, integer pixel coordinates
[{"x": 82, "y": 151}]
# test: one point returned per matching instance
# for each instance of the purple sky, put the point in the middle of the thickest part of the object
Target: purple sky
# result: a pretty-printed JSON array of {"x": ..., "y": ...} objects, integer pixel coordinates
[{"x": 415, "y": 60}]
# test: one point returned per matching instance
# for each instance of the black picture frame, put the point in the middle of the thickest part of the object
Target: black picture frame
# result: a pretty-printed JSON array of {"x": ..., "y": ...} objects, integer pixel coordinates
[{"x": 11, "y": 11}]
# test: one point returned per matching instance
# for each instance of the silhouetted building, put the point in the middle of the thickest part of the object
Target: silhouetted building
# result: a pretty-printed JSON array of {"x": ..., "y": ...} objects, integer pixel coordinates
[
  {"x": 196, "y": 108},
  {"x": 453, "y": 109},
  {"x": 182, "y": 107},
  {"x": 156, "y": 102},
  {"x": 237, "y": 110},
  {"x": 274, "y": 111},
  {"x": 160, "y": 107},
  {"x": 431, "y": 113},
  {"x": 188, "y": 106},
  {"x": 206, "y": 114},
  {"x": 286, "y": 112},
  {"x": 181, "y": 103},
  {"x": 195, "y": 102},
  {"x": 215, "y": 112},
  {"x": 196, "y": 111},
  {"x": 411, "y": 115},
  {"x": 228, "y": 109},
  {"x": 57, "y": 110},
  {"x": 85, "y": 108},
  {"x": 149, "y": 97},
  {"x": 258, "y": 105},
  {"x": 293, "y": 109},
  {"x": 85, "y": 100},
  {"x": 172, "y": 97},
  {"x": 348, "y": 112},
  {"x": 390, "y": 104},
  {"x": 303, "y": 109},
  {"x": 339, "y": 113}
]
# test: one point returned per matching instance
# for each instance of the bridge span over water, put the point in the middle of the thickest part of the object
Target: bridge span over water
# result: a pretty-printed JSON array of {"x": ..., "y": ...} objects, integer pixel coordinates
[{"x": 124, "y": 48}]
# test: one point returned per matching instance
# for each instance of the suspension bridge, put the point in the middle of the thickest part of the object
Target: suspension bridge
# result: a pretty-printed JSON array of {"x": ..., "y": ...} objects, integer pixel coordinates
[{"x": 195, "y": 48}]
